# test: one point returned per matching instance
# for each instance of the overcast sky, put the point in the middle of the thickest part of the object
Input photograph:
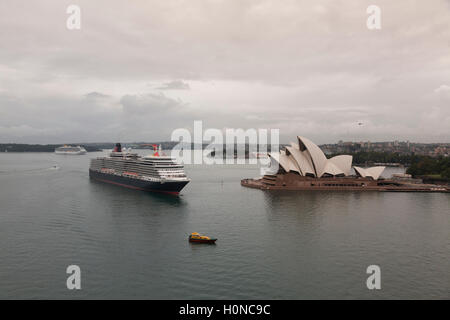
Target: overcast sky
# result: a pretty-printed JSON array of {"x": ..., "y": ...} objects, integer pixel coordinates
[{"x": 137, "y": 70}]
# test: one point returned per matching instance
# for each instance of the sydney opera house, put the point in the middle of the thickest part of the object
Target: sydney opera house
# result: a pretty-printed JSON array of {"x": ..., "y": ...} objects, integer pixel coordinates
[
  {"x": 306, "y": 159},
  {"x": 303, "y": 166}
]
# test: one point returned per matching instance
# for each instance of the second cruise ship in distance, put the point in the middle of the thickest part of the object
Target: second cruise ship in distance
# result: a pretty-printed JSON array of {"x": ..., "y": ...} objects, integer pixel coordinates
[
  {"x": 65, "y": 149},
  {"x": 157, "y": 173}
]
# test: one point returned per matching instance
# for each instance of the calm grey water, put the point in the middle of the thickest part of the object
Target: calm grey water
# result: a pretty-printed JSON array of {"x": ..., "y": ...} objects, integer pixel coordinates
[{"x": 272, "y": 245}]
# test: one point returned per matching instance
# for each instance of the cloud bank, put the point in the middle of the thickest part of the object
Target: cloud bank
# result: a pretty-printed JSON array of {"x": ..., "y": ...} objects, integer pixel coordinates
[{"x": 137, "y": 72}]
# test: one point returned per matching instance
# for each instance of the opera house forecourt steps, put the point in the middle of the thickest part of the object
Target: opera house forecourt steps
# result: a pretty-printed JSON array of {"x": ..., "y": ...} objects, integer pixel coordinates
[{"x": 303, "y": 166}]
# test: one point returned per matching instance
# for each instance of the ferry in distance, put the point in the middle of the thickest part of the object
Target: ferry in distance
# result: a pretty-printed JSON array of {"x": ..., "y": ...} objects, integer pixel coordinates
[
  {"x": 157, "y": 172},
  {"x": 70, "y": 150}
]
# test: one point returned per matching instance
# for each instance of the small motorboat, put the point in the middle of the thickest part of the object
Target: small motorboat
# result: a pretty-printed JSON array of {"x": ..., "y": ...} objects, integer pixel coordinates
[{"x": 198, "y": 238}]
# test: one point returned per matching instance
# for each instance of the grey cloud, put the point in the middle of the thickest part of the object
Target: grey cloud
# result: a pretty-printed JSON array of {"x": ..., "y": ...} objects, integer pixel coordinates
[
  {"x": 310, "y": 68},
  {"x": 442, "y": 88},
  {"x": 57, "y": 119},
  {"x": 95, "y": 95},
  {"x": 149, "y": 103},
  {"x": 175, "y": 85}
]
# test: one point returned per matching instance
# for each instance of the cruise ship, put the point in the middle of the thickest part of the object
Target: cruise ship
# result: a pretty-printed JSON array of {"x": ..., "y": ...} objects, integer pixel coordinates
[
  {"x": 156, "y": 172},
  {"x": 70, "y": 150}
]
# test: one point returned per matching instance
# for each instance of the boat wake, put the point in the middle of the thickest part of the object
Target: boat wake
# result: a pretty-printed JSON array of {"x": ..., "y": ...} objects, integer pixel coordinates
[
  {"x": 34, "y": 170},
  {"x": 55, "y": 167}
]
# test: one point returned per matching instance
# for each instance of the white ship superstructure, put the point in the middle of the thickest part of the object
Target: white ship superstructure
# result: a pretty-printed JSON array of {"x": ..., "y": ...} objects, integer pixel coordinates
[{"x": 71, "y": 150}]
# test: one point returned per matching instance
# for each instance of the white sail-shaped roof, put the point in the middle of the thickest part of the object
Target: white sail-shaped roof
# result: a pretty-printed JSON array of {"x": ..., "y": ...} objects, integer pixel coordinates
[
  {"x": 309, "y": 161},
  {"x": 285, "y": 161},
  {"x": 303, "y": 163},
  {"x": 317, "y": 156},
  {"x": 307, "y": 158},
  {"x": 293, "y": 164},
  {"x": 332, "y": 169},
  {"x": 343, "y": 162},
  {"x": 274, "y": 164},
  {"x": 288, "y": 162},
  {"x": 275, "y": 159},
  {"x": 373, "y": 172}
]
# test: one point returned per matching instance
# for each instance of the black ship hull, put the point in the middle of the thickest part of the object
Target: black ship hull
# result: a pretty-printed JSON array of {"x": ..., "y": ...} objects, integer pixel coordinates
[{"x": 171, "y": 187}]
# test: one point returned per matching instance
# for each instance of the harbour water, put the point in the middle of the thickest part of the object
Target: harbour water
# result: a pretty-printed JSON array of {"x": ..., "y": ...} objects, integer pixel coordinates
[{"x": 272, "y": 245}]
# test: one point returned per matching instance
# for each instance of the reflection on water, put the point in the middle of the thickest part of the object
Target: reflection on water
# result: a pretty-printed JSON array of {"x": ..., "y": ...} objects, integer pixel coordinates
[
  {"x": 125, "y": 194},
  {"x": 271, "y": 244}
]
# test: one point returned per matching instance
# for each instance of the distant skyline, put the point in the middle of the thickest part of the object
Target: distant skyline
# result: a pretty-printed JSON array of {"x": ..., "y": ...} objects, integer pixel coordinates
[
  {"x": 207, "y": 143},
  {"x": 136, "y": 71}
]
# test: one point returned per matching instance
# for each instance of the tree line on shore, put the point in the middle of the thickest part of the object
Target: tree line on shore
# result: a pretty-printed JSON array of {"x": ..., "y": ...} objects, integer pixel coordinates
[
  {"x": 22, "y": 147},
  {"x": 426, "y": 166}
]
